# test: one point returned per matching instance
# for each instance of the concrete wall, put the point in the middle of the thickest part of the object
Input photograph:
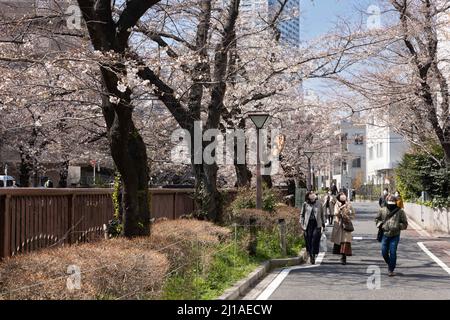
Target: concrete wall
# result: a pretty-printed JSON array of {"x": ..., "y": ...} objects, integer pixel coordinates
[{"x": 434, "y": 220}]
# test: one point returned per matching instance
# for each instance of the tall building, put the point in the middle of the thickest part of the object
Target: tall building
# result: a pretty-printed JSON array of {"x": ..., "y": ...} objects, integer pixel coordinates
[
  {"x": 258, "y": 12},
  {"x": 289, "y": 25}
]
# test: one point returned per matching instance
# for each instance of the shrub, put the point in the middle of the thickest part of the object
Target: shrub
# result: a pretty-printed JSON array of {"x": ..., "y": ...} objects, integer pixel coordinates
[
  {"x": 419, "y": 171},
  {"x": 181, "y": 239},
  {"x": 109, "y": 269},
  {"x": 246, "y": 199},
  {"x": 115, "y": 225}
]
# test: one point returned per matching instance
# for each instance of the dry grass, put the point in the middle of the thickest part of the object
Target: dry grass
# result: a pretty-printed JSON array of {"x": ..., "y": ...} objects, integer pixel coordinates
[
  {"x": 183, "y": 241},
  {"x": 190, "y": 230},
  {"x": 109, "y": 269},
  {"x": 114, "y": 268}
]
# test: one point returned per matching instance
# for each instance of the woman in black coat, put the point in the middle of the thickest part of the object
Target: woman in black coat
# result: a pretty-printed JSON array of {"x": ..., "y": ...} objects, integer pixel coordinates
[{"x": 312, "y": 221}]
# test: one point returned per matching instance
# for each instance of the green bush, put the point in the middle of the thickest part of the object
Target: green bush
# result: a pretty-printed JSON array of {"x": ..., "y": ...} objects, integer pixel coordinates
[
  {"x": 246, "y": 199},
  {"x": 115, "y": 225},
  {"x": 419, "y": 171}
]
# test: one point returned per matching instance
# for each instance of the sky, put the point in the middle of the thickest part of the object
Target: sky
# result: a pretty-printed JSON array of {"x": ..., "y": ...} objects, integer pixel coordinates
[{"x": 317, "y": 17}]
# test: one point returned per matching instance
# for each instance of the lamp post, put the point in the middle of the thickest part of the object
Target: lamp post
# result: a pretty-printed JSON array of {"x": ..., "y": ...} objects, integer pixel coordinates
[
  {"x": 309, "y": 154},
  {"x": 259, "y": 119}
]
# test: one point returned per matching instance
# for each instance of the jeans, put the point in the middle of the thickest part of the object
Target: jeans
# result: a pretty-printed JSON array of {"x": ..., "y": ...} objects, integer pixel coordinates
[{"x": 389, "y": 251}]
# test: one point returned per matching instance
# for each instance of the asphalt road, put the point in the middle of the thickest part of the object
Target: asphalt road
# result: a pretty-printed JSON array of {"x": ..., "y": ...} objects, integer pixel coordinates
[{"x": 420, "y": 277}]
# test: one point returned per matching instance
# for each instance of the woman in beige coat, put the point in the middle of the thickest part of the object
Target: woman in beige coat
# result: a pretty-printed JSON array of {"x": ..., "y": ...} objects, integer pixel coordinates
[{"x": 343, "y": 216}]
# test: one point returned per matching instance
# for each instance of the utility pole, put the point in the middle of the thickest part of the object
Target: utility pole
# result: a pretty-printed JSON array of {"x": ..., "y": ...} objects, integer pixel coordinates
[
  {"x": 259, "y": 120},
  {"x": 308, "y": 155},
  {"x": 331, "y": 165}
]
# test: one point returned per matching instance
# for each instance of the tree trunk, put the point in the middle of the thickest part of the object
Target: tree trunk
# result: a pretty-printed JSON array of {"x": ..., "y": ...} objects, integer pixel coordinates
[
  {"x": 214, "y": 203},
  {"x": 446, "y": 147},
  {"x": 130, "y": 156},
  {"x": 24, "y": 175},
  {"x": 63, "y": 174},
  {"x": 127, "y": 146},
  {"x": 25, "y": 169},
  {"x": 243, "y": 175}
]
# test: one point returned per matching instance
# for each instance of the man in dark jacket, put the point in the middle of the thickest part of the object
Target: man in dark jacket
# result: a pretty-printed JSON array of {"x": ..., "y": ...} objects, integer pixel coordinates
[
  {"x": 392, "y": 220},
  {"x": 382, "y": 200}
]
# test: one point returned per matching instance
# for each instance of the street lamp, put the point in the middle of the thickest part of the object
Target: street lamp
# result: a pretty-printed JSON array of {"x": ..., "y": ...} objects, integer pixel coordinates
[
  {"x": 259, "y": 119},
  {"x": 309, "y": 154}
]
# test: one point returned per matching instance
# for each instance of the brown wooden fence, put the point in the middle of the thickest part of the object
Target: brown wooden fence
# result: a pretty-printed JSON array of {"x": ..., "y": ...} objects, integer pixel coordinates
[{"x": 31, "y": 219}]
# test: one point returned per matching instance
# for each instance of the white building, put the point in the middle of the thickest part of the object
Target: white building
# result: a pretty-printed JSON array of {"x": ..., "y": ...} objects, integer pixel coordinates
[
  {"x": 384, "y": 151},
  {"x": 349, "y": 168}
]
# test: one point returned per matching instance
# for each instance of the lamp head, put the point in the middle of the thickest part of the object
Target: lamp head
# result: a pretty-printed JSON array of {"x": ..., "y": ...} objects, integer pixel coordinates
[{"x": 259, "y": 119}]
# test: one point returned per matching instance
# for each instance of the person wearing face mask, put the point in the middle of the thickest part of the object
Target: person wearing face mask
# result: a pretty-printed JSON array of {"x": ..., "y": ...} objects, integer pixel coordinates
[
  {"x": 328, "y": 206},
  {"x": 399, "y": 200},
  {"x": 382, "y": 200},
  {"x": 312, "y": 221},
  {"x": 391, "y": 220},
  {"x": 341, "y": 235}
]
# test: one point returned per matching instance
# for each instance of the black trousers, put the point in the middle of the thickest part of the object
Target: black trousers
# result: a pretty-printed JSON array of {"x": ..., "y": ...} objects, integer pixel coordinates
[{"x": 312, "y": 237}]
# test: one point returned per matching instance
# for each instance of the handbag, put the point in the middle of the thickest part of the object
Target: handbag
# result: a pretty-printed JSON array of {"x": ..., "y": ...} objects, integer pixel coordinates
[
  {"x": 323, "y": 242},
  {"x": 380, "y": 233},
  {"x": 347, "y": 225}
]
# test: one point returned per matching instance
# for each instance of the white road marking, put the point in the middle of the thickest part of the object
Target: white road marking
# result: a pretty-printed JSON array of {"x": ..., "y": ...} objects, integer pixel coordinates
[
  {"x": 283, "y": 274},
  {"x": 432, "y": 256},
  {"x": 419, "y": 229},
  {"x": 357, "y": 238}
]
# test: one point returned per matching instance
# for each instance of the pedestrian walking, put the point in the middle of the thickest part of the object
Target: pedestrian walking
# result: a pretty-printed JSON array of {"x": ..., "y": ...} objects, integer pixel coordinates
[
  {"x": 341, "y": 236},
  {"x": 399, "y": 200},
  {"x": 391, "y": 220},
  {"x": 328, "y": 207},
  {"x": 334, "y": 190},
  {"x": 382, "y": 200},
  {"x": 312, "y": 221}
]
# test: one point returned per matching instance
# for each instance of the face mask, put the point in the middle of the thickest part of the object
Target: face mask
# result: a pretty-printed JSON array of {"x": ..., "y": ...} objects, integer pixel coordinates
[{"x": 391, "y": 205}]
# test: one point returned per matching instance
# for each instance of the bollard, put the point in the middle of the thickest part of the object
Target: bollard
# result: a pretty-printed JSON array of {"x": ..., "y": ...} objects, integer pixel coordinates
[
  {"x": 282, "y": 227},
  {"x": 253, "y": 239}
]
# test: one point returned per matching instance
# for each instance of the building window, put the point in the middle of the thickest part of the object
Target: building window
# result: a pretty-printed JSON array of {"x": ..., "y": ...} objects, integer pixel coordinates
[
  {"x": 344, "y": 137},
  {"x": 371, "y": 153},
  {"x": 380, "y": 150},
  {"x": 356, "y": 163},
  {"x": 344, "y": 166}
]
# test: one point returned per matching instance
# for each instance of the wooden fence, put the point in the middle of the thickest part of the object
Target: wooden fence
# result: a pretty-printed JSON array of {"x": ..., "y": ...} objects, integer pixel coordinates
[{"x": 32, "y": 218}]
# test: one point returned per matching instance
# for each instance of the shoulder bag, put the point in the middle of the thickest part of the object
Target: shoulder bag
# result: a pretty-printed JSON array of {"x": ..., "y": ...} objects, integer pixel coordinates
[
  {"x": 380, "y": 227},
  {"x": 347, "y": 224}
]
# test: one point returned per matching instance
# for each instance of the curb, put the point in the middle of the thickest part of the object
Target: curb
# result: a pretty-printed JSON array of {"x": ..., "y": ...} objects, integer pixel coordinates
[{"x": 242, "y": 286}]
